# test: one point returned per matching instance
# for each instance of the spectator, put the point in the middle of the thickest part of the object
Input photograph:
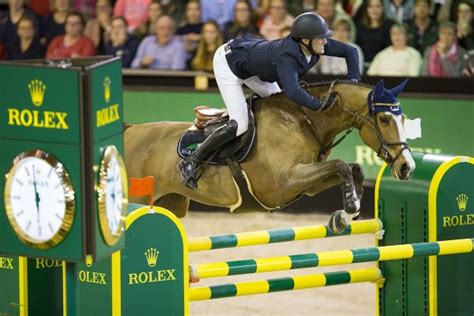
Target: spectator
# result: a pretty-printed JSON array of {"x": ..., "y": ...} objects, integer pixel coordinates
[
  {"x": 73, "y": 43},
  {"x": 398, "y": 10},
  {"x": 86, "y": 7},
  {"x": 335, "y": 65},
  {"x": 443, "y": 58},
  {"x": 10, "y": 19},
  {"x": 210, "y": 41},
  {"x": 465, "y": 26},
  {"x": 243, "y": 21},
  {"x": 98, "y": 29},
  {"x": 221, "y": 11},
  {"x": 190, "y": 30},
  {"x": 276, "y": 20},
  {"x": 399, "y": 59},
  {"x": 373, "y": 31},
  {"x": 468, "y": 64},
  {"x": 153, "y": 13},
  {"x": 327, "y": 9},
  {"x": 422, "y": 28},
  {"x": 163, "y": 50},
  {"x": 134, "y": 11},
  {"x": 27, "y": 46},
  {"x": 53, "y": 25},
  {"x": 121, "y": 43}
]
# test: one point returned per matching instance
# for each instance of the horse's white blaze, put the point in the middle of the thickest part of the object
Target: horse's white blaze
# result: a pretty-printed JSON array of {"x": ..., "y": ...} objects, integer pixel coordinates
[{"x": 401, "y": 135}]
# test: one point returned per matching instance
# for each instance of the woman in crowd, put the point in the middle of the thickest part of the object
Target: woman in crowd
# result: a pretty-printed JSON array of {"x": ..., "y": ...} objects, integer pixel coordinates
[
  {"x": 211, "y": 39},
  {"x": 53, "y": 25},
  {"x": 121, "y": 43},
  {"x": 398, "y": 59},
  {"x": 465, "y": 25},
  {"x": 27, "y": 46},
  {"x": 243, "y": 21},
  {"x": 444, "y": 57},
  {"x": 73, "y": 43},
  {"x": 153, "y": 13},
  {"x": 98, "y": 29},
  {"x": 134, "y": 11},
  {"x": 277, "y": 19},
  {"x": 372, "y": 30},
  {"x": 399, "y": 11},
  {"x": 190, "y": 29}
]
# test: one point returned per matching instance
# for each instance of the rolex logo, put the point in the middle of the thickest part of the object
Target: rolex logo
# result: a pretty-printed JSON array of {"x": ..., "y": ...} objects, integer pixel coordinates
[
  {"x": 462, "y": 201},
  {"x": 151, "y": 256},
  {"x": 37, "y": 89},
  {"x": 107, "y": 83},
  {"x": 89, "y": 260}
]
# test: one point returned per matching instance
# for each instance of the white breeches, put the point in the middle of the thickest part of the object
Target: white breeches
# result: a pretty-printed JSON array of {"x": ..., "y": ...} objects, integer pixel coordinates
[{"x": 232, "y": 91}]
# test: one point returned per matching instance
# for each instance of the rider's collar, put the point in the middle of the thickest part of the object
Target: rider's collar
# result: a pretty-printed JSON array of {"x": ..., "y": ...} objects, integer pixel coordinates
[{"x": 383, "y": 105}]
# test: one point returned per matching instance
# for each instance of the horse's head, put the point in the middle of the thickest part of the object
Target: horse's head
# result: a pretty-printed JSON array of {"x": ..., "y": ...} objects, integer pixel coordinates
[{"x": 384, "y": 130}]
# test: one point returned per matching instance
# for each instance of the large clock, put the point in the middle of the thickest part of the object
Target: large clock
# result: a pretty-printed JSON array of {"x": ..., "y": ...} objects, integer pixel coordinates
[
  {"x": 39, "y": 199},
  {"x": 112, "y": 195}
]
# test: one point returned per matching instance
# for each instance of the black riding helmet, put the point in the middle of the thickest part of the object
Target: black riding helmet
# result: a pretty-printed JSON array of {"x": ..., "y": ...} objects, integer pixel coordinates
[{"x": 310, "y": 26}]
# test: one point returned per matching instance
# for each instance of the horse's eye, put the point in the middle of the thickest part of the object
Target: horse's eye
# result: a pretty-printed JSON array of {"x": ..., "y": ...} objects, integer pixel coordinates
[{"x": 385, "y": 120}]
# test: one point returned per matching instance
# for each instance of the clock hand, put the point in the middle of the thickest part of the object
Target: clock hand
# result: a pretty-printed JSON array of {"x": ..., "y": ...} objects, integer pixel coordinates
[{"x": 37, "y": 197}]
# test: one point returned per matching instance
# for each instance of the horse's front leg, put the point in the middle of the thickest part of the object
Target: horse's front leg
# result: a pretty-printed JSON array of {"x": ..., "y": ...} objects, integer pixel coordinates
[{"x": 314, "y": 178}]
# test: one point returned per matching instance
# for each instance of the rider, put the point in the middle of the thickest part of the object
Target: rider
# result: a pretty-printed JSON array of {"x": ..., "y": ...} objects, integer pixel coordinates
[{"x": 259, "y": 64}]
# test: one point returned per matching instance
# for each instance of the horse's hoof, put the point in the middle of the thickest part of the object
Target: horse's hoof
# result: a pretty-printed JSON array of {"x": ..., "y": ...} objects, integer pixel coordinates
[
  {"x": 338, "y": 222},
  {"x": 351, "y": 206}
]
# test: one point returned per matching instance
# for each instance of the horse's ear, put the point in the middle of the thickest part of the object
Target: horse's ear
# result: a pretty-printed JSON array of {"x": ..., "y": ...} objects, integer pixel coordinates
[
  {"x": 378, "y": 90},
  {"x": 396, "y": 90}
]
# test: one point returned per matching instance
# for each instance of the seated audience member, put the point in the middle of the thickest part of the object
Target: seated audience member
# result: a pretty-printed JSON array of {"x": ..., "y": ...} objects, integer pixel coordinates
[
  {"x": 243, "y": 21},
  {"x": 9, "y": 20},
  {"x": 153, "y": 13},
  {"x": 465, "y": 25},
  {"x": 134, "y": 11},
  {"x": 121, "y": 43},
  {"x": 221, "y": 11},
  {"x": 190, "y": 29},
  {"x": 73, "y": 43},
  {"x": 335, "y": 65},
  {"x": 468, "y": 64},
  {"x": 27, "y": 46},
  {"x": 210, "y": 41},
  {"x": 398, "y": 59},
  {"x": 53, "y": 25},
  {"x": 277, "y": 19},
  {"x": 398, "y": 11},
  {"x": 163, "y": 50},
  {"x": 444, "y": 57},
  {"x": 422, "y": 28},
  {"x": 85, "y": 7},
  {"x": 98, "y": 29},
  {"x": 328, "y": 11},
  {"x": 373, "y": 30}
]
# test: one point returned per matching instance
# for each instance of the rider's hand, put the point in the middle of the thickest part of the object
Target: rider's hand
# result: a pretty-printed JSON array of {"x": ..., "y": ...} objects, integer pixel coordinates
[{"x": 328, "y": 101}]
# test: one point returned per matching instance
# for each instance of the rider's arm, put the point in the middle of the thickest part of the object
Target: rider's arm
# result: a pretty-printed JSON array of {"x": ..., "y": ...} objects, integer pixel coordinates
[
  {"x": 287, "y": 69},
  {"x": 339, "y": 49}
]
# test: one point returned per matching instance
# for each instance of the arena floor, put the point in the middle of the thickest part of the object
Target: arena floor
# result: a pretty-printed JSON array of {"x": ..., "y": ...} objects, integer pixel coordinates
[{"x": 351, "y": 299}]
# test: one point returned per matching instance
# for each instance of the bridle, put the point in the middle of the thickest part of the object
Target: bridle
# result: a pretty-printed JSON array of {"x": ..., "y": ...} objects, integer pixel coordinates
[{"x": 374, "y": 107}]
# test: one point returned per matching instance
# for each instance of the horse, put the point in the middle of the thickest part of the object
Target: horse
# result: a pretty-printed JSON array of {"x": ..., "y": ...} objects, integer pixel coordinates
[{"x": 290, "y": 156}]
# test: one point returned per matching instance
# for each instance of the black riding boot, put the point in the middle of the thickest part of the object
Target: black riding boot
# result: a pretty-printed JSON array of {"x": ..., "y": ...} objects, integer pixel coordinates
[{"x": 219, "y": 137}]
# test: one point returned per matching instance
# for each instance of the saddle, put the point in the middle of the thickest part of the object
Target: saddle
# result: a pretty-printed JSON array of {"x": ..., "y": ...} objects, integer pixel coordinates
[{"x": 205, "y": 122}]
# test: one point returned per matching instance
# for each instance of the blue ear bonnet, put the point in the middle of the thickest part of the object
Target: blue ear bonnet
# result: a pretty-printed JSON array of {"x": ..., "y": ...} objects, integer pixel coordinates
[{"x": 381, "y": 99}]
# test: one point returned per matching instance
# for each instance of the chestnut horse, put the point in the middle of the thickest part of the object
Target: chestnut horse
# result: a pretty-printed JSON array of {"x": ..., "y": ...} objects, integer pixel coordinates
[{"x": 289, "y": 158}]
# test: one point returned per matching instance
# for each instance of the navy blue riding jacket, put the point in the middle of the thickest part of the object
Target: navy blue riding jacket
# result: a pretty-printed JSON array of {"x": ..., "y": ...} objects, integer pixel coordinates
[{"x": 282, "y": 60}]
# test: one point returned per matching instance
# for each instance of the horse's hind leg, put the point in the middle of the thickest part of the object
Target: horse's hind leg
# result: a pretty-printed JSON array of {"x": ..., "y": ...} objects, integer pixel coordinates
[{"x": 175, "y": 203}]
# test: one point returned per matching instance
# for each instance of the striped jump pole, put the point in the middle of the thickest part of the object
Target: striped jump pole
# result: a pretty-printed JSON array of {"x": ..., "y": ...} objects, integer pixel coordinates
[
  {"x": 285, "y": 284},
  {"x": 309, "y": 260},
  {"x": 280, "y": 235}
]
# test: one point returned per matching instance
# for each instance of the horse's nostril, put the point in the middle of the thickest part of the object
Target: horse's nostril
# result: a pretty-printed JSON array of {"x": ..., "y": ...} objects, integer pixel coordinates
[{"x": 405, "y": 169}]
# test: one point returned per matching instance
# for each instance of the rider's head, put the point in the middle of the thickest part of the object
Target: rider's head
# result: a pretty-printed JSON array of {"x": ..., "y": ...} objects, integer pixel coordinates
[{"x": 311, "y": 31}]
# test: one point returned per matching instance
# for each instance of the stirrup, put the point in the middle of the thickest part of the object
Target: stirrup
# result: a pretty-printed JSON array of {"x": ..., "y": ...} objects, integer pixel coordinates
[{"x": 189, "y": 180}]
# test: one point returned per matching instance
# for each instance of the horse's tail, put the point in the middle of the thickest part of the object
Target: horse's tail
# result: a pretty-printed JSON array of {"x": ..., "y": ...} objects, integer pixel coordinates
[{"x": 125, "y": 126}]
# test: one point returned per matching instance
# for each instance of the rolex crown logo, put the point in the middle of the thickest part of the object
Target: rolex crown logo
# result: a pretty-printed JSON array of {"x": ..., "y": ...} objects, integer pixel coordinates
[
  {"x": 462, "y": 201},
  {"x": 151, "y": 255},
  {"x": 89, "y": 260},
  {"x": 37, "y": 89},
  {"x": 107, "y": 83}
]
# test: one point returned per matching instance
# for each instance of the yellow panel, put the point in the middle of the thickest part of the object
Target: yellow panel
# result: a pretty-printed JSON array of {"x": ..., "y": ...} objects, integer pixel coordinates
[
  {"x": 273, "y": 264},
  {"x": 455, "y": 246},
  {"x": 396, "y": 252},
  {"x": 252, "y": 238},
  {"x": 366, "y": 226},
  {"x": 199, "y": 294},
  {"x": 249, "y": 288},
  {"x": 335, "y": 257},
  {"x": 370, "y": 274},
  {"x": 199, "y": 244},
  {"x": 308, "y": 281},
  {"x": 211, "y": 270}
]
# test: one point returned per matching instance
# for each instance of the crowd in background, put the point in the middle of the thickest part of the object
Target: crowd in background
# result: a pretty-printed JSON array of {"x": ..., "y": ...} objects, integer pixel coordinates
[{"x": 392, "y": 37}]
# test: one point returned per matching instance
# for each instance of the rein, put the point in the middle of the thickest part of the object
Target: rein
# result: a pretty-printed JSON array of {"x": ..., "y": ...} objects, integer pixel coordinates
[{"x": 384, "y": 146}]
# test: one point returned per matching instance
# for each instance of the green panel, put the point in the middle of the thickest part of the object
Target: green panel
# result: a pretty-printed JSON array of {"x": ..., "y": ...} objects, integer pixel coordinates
[
  {"x": 45, "y": 287},
  {"x": 9, "y": 285},
  {"x": 304, "y": 261},
  {"x": 242, "y": 267},
  {"x": 157, "y": 285},
  {"x": 282, "y": 284},
  {"x": 220, "y": 291},
  {"x": 333, "y": 278},
  {"x": 223, "y": 241},
  {"x": 148, "y": 106},
  {"x": 281, "y": 235},
  {"x": 456, "y": 220},
  {"x": 91, "y": 293}
]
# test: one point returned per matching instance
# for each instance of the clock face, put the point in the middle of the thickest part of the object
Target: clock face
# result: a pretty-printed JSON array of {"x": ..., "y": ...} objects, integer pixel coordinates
[
  {"x": 39, "y": 199},
  {"x": 112, "y": 195}
]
